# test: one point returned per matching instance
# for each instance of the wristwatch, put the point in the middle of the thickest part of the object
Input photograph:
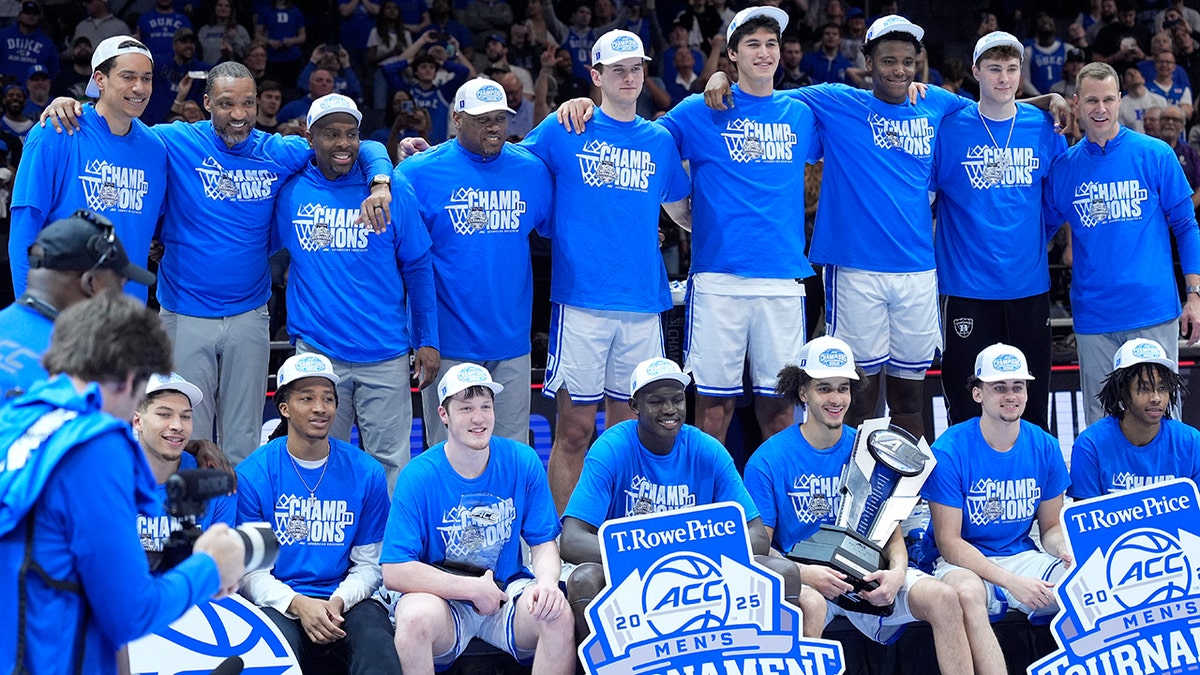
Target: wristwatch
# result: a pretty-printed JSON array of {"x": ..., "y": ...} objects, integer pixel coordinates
[
  {"x": 1192, "y": 289},
  {"x": 380, "y": 179}
]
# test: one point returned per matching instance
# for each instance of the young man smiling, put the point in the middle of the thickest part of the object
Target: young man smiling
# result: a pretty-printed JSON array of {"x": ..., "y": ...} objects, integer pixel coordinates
[
  {"x": 995, "y": 475},
  {"x": 1137, "y": 443},
  {"x": 990, "y": 165},
  {"x": 795, "y": 479}
]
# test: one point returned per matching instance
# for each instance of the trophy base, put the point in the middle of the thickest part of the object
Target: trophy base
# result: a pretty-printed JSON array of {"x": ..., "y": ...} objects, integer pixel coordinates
[{"x": 849, "y": 553}]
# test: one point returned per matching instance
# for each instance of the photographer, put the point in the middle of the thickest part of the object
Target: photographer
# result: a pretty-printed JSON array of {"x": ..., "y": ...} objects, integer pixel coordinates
[
  {"x": 72, "y": 480},
  {"x": 163, "y": 422}
]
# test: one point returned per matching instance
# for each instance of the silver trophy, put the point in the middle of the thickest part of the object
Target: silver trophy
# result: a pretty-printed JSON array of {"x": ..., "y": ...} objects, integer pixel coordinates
[{"x": 881, "y": 485}]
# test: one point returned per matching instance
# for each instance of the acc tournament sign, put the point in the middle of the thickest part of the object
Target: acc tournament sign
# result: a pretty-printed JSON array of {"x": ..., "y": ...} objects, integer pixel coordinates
[
  {"x": 1131, "y": 604},
  {"x": 685, "y": 598}
]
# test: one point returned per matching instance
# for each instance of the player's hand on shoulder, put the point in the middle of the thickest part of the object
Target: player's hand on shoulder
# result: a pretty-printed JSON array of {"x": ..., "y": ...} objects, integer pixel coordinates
[
  {"x": 410, "y": 146},
  {"x": 828, "y": 582},
  {"x": 575, "y": 113},
  {"x": 486, "y": 595},
  {"x": 718, "y": 95},
  {"x": 62, "y": 112}
]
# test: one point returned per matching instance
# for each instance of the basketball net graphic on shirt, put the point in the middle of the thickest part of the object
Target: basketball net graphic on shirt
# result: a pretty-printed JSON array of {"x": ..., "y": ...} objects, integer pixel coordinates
[
  {"x": 911, "y": 136},
  {"x": 108, "y": 187},
  {"x": 991, "y": 500},
  {"x": 243, "y": 184},
  {"x": 644, "y": 496},
  {"x": 313, "y": 236},
  {"x": 473, "y": 210},
  {"x": 475, "y": 531},
  {"x": 604, "y": 165},
  {"x": 750, "y": 141},
  {"x": 989, "y": 167},
  {"x": 320, "y": 227},
  {"x": 814, "y": 498},
  {"x": 1096, "y": 202},
  {"x": 311, "y": 520}
]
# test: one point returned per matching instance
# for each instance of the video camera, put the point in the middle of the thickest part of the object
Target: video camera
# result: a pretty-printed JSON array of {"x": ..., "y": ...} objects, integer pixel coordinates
[{"x": 188, "y": 493}]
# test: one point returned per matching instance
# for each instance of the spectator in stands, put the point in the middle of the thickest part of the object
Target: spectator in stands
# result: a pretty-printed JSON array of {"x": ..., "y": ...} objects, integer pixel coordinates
[
  {"x": 522, "y": 120},
  {"x": 676, "y": 41},
  {"x": 642, "y": 20},
  {"x": 434, "y": 98},
  {"x": 320, "y": 83},
  {"x": 157, "y": 29},
  {"x": 385, "y": 44},
  {"x": 73, "y": 81},
  {"x": 357, "y": 18},
  {"x": 1108, "y": 17},
  {"x": 638, "y": 466},
  {"x": 1138, "y": 443},
  {"x": 369, "y": 349},
  {"x": 100, "y": 24},
  {"x": 414, "y": 14},
  {"x": 443, "y": 26},
  {"x": 63, "y": 270},
  {"x": 1123, "y": 282},
  {"x": 1044, "y": 57},
  {"x": 256, "y": 59},
  {"x": 995, "y": 476},
  {"x": 537, "y": 35},
  {"x": 495, "y": 57},
  {"x": 403, "y": 119},
  {"x": 490, "y": 325},
  {"x": 523, "y": 51},
  {"x": 990, "y": 294},
  {"x": 169, "y": 75},
  {"x": 37, "y": 89},
  {"x": 1150, "y": 121},
  {"x": 486, "y": 17},
  {"x": 24, "y": 44},
  {"x": 282, "y": 26},
  {"x": 163, "y": 423},
  {"x": 564, "y": 84},
  {"x": 789, "y": 75},
  {"x": 1077, "y": 38},
  {"x": 1065, "y": 86},
  {"x": 1123, "y": 43},
  {"x": 223, "y": 38},
  {"x": 1136, "y": 99},
  {"x": 491, "y": 492},
  {"x": 337, "y": 60},
  {"x": 926, "y": 73},
  {"x": 687, "y": 81},
  {"x": 1184, "y": 13},
  {"x": 826, "y": 63},
  {"x": 794, "y": 478},
  {"x": 701, "y": 21},
  {"x": 1091, "y": 15},
  {"x": 1170, "y": 129},
  {"x": 14, "y": 120},
  {"x": 270, "y": 100},
  {"x": 854, "y": 31},
  {"x": 1171, "y": 82},
  {"x": 329, "y": 503}
]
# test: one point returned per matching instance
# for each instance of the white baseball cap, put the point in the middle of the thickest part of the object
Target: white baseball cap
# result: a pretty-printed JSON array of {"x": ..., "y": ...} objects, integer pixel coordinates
[
  {"x": 750, "y": 12},
  {"x": 893, "y": 23},
  {"x": 479, "y": 96},
  {"x": 463, "y": 377},
  {"x": 617, "y": 45},
  {"x": 174, "y": 382},
  {"x": 330, "y": 104},
  {"x": 997, "y": 38},
  {"x": 1001, "y": 362},
  {"x": 655, "y": 370},
  {"x": 827, "y": 356},
  {"x": 300, "y": 366},
  {"x": 1142, "y": 350},
  {"x": 110, "y": 48}
]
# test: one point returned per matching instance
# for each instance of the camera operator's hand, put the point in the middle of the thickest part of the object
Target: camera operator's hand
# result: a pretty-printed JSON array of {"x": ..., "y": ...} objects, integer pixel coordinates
[
  {"x": 321, "y": 619},
  {"x": 227, "y": 550},
  {"x": 209, "y": 456}
]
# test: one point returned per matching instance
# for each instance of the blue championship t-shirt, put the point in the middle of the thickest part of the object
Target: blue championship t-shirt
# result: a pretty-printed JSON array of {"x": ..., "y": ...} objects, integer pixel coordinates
[{"x": 1104, "y": 461}]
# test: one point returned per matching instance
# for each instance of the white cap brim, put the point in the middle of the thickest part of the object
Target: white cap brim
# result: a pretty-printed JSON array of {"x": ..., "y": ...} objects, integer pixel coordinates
[
  {"x": 745, "y": 15},
  {"x": 893, "y": 23},
  {"x": 997, "y": 39},
  {"x": 159, "y": 383}
]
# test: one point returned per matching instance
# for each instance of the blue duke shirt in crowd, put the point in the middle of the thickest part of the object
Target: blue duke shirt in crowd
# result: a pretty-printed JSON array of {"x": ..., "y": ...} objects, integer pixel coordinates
[
  {"x": 281, "y": 23},
  {"x": 123, "y": 178},
  {"x": 315, "y": 535},
  {"x": 155, "y": 530},
  {"x": 622, "y": 478},
  {"x": 167, "y": 75},
  {"x": 439, "y": 517},
  {"x": 1045, "y": 63},
  {"x": 893, "y": 145},
  {"x": 993, "y": 193},
  {"x": 19, "y": 51},
  {"x": 795, "y": 486},
  {"x": 1123, "y": 202},
  {"x": 24, "y": 337},
  {"x": 608, "y": 184},
  {"x": 347, "y": 287},
  {"x": 157, "y": 31},
  {"x": 89, "y": 459},
  {"x": 1104, "y": 461},
  {"x": 747, "y": 167},
  {"x": 239, "y": 184},
  {"x": 998, "y": 492},
  {"x": 481, "y": 210}
]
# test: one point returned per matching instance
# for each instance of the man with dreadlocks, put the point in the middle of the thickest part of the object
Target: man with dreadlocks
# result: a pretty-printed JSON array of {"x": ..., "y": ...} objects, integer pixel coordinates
[
  {"x": 1138, "y": 442},
  {"x": 329, "y": 503}
]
